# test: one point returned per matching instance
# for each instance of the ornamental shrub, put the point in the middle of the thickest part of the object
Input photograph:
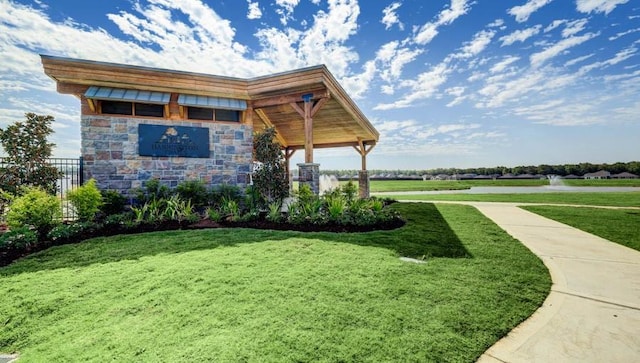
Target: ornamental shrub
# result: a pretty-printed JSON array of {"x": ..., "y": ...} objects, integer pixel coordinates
[
  {"x": 35, "y": 208},
  {"x": 18, "y": 238},
  {"x": 112, "y": 202},
  {"x": 194, "y": 191},
  {"x": 86, "y": 200}
]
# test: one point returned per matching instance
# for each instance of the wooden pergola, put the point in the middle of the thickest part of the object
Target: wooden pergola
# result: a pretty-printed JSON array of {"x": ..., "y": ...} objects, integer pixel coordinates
[
  {"x": 310, "y": 110},
  {"x": 307, "y": 107}
]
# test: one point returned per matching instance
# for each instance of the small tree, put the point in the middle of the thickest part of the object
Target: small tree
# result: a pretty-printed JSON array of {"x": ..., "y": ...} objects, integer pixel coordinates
[
  {"x": 269, "y": 178},
  {"x": 28, "y": 151}
]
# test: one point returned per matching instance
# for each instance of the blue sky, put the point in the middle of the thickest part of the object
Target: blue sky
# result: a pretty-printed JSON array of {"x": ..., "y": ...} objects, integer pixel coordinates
[{"x": 447, "y": 83}]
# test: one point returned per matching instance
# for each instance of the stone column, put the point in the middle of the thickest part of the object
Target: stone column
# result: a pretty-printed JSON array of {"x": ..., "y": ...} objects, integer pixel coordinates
[
  {"x": 363, "y": 183},
  {"x": 309, "y": 173}
]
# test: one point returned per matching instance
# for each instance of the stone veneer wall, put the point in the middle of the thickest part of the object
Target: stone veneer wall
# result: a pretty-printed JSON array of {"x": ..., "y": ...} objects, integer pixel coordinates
[{"x": 110, "y": 152}]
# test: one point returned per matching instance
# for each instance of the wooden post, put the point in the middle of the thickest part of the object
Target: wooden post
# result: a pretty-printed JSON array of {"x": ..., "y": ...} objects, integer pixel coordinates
[
  {"x": 363, "y": 175},
  {"x": 288, "y": 153},
  {"x": 308, "y": 129}
]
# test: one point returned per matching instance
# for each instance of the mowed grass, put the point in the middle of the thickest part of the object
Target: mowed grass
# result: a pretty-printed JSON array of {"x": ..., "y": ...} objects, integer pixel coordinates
[
  {"x": 255, "y": 295},
  {"x": 602, "y": 182},
  {"x": 381, "y": 186},
  {"x": 378, "y": 186},
  {"x": 617, "y": 199},
  {"x": 616, "y": 225}
]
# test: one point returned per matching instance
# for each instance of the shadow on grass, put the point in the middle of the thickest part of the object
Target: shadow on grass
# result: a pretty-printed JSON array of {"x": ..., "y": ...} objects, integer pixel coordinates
[{"x": 426, "y": 234}]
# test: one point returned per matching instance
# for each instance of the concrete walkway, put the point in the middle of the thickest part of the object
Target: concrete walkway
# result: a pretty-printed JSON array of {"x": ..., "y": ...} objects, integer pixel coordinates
[{"x": 593, "y": 311}]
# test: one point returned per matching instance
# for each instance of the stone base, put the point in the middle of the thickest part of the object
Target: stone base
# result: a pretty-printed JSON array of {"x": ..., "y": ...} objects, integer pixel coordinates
[
  {"x": 310, "y": 174},
  {"x": 363, "y": 184}
]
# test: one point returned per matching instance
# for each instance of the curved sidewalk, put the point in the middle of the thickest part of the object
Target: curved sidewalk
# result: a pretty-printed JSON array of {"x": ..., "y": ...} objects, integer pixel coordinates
[{"x": 592, "y": 313}]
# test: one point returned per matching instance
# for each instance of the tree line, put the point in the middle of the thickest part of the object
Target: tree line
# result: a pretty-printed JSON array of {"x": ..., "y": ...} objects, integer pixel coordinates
[{"x": 543, "y": 169}]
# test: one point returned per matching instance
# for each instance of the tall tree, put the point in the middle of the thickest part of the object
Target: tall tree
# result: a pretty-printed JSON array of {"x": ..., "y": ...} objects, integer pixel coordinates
[
  {"x": 27, "y": 155},
  {"x": 269, "y": 178}
]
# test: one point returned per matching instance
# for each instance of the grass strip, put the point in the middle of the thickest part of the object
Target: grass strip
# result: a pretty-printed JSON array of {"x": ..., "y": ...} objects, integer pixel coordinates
[
  {"x": 617, "y": 199},
  {"x": 616, "y": 225},
  {"x": 255, "y": 295}
]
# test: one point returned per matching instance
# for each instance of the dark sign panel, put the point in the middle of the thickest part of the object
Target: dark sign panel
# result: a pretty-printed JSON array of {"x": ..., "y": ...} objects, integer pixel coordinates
[{"x": 157, "y": 140}]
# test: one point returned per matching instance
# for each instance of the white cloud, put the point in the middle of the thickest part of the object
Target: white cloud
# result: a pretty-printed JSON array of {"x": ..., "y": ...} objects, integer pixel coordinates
[
  {"x": 621, "y": 34},
  {"x": 502, "y": 65},
  {"x": 357, "y": 85},
  {"x": 523, "y": 12},
  {"x": 457, "y": 93},
  {"x": 619, "y": 57},
  {"x": 285, "y": 9},
  {"x": 254, "y": 11},
  {"x": 428, "y": 31},
  {"x": 394, "y": 58},
  {"x": 520, "y": 35},
  {"x": 574, "y": 27},
  {"x": 479, "y": 42},
  {"x": 424, "y": 86},
  {"x": 539, "y": 58},
  {"x": 598, "y": 6},
  {"x": 390, "y": 17},
  {"x": 578, "y": 60},
  {"x": 554, "y": 24}
]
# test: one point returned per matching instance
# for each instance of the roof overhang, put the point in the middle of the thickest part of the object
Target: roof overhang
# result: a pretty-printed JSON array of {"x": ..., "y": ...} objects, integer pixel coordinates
[{"x": 275, "y": 100}]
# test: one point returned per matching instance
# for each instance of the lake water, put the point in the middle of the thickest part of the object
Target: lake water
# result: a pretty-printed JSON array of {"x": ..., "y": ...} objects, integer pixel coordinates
[{"x": 522, "y": 190}]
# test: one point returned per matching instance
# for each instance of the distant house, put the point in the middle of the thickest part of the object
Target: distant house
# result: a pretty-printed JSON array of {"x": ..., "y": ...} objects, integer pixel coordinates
[
  {"x": 571, "y": 176},
  {"x": 624, "y": 175},
  {"x": 602, "y": 174}
]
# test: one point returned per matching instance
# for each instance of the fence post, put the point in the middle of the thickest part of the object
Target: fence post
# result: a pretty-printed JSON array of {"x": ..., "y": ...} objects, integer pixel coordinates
[{"x": 81, "y": 161}]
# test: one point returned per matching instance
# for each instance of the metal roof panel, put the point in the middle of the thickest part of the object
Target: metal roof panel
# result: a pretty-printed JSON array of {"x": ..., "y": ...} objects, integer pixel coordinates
[
  {"x": 130, "y": 95},
  {"x": 212, "y": 102}
]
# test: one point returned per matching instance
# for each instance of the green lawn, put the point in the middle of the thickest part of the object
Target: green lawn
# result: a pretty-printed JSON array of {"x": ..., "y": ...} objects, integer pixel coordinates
[
  {"x": 419, "y": 185},
  {"x": 617, "y": 225},
  {"x": 603, "y": 182},
  {"x": 379, "y": 186},
  {"x": 620, "y": 199},
  {"x": 255, "y": 295}
]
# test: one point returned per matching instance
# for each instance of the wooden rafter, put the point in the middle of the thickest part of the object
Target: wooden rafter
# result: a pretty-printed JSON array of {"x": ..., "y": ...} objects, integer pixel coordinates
[
  {"x": 288, "y": 98},
  {"x": 268, "y": 122}
]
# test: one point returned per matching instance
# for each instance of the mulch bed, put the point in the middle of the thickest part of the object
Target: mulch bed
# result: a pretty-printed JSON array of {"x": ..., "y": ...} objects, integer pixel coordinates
[{"x": 8, "y": 255}]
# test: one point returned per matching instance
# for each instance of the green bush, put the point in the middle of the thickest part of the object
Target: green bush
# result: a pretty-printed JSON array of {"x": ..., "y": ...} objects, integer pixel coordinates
[
  {"x": 35, "y": 208},
  {"x": 18, "y": 238},
  {"x": 275, "y": 212},
  {"x": 336, "y": 205},
  {"x": 151, "y": 190},
  {"x": 72, "y": 231},
  {"x": 225, "y": 192},
  {"x": 120, "y": 220},
  {"x": 86, "y": 200},
  {"x": 112, "y": 202},
  {"x": 179, "y": 209},
  {"x": 194, "y": 191},
  {"x": 213, "y": 214}
]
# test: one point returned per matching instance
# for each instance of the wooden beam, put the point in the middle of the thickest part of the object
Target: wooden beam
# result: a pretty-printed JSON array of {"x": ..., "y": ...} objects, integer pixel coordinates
[
  {"x": 288, "y": 98},
  {"x": 71, "y": 88},
  {"x": 92, "y": 104},
  {"x": 318, "y": 105},
  {"x": 268, "y": 122},
  {"x": 298, "y": 109},
  {"x": 328, "y": 145}
]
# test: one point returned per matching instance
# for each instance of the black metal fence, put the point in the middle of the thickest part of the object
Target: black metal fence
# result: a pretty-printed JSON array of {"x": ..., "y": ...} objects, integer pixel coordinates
[{"x": 70, "y": 178}]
